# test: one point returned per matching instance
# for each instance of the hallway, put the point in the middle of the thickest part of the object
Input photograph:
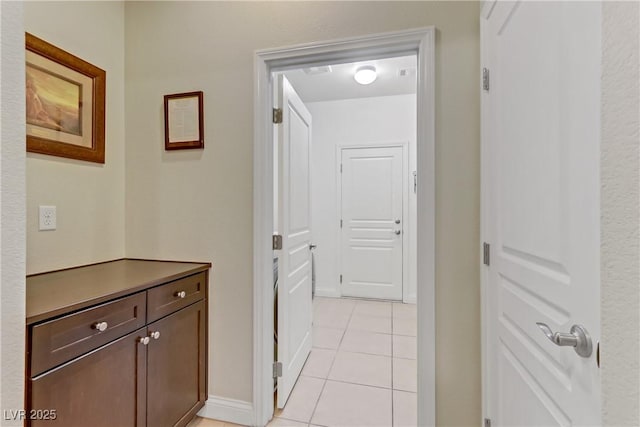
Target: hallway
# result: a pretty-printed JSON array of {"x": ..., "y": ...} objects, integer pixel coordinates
[{"x": 362, "y": 369}]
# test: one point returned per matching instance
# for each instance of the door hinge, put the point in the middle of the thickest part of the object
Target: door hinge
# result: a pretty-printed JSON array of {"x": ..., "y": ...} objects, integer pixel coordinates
[
  {"x": 340, "y": 223},
  {"x": 277, "y": 369},
  {"x": 340, "y": 167},
  {"x": 486, "y": 253},
  {"x": 277, "y": 115},
  {"x": 341, "y": 278},
  {"x": 485, "y": 79},
  {"x": 487, "y": 422},
  {"x": 415, "y": 181},
  {"x": 276, "y": 242}
]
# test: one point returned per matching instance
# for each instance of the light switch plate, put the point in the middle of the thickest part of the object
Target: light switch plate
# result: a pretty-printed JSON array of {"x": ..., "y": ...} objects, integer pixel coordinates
[{"x": 47, "y": 218}]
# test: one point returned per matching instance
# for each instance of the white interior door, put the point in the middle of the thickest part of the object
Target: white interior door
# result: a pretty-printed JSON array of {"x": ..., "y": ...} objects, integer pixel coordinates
[
  {"x": 372, "y": 229},
  {"x": 294, "y": 224},
  {"x": 541, "y": 129}
]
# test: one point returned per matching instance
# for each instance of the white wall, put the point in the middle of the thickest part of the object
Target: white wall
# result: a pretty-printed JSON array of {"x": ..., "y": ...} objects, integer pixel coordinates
[
  {"x": 12, "y": 217},
  {"x": 89, "y": 197},
  {"x": 198, "y": 204},
  {"x": 620, "y": 204},
  {"x": 370, "y": 121}
]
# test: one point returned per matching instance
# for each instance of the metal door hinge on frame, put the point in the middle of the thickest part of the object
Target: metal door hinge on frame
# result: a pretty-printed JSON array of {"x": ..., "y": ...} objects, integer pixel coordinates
[
  {"x": 277, "y": 369},
  {"x": 276, "y": 242},
  {"x": 341, "y": 278},
  {"x": 486, "y": 253},
  {"x": 485, "y": 79},
  {"x": 277, "y": 115},
  {"x": 487, "y": 422}
]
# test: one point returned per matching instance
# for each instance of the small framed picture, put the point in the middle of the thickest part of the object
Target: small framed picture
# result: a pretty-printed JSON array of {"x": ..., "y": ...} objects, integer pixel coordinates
[
  {"x": 65, "y": 105},
  {"x": 183, "y": 121}
]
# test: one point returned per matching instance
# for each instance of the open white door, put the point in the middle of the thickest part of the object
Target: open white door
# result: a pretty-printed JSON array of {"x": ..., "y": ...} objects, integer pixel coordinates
[
  {"x": 371, "y": 222},
  {"x": 541, "y": 154},
  {"x": 294, "y": 224}
]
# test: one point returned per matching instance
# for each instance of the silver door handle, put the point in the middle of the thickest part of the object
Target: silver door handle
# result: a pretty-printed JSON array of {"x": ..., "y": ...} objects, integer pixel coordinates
[
  {"x": 578, "y": 338},
  {"x": 312, "y": 246},
  {"x": 398, "y": 232}
]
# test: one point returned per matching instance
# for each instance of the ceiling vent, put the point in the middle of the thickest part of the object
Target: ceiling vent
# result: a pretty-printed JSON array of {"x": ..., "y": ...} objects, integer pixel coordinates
[
  {"x": 407, "y": 72},
  {"x": 312, "y": 71}
]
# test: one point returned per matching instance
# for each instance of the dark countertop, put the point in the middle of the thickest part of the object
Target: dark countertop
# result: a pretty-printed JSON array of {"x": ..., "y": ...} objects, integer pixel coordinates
[{"x": 59, "y": 292}]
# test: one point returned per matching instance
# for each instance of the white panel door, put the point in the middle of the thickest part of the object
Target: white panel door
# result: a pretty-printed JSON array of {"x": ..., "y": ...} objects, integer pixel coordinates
[
  {"x": 372, "y": 231},
  {"x": 294, "y": 211},
  {"x": 541, "y": 130}
]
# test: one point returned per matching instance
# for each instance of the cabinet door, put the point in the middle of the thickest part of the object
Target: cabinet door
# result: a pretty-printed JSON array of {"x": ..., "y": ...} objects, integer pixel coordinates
[
  {"x": 104, "y": 388},
  {"x": 176, "y": 371}
]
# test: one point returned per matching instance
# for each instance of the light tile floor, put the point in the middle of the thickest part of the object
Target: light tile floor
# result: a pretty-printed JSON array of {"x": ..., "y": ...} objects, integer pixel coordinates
[{"x": 361, "y": 371}]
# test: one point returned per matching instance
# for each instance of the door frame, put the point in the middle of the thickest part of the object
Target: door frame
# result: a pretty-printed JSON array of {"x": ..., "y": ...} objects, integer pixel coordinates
[
  {"x": 485, "y": 202},
  {"x": 408, "y": 260},
  {"x": 419, "y": 41}
]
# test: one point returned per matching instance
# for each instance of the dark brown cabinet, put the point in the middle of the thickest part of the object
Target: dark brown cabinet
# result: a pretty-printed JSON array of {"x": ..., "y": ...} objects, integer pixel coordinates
[
  {"x": 132, "y": 361},
  {"x": 175, "y": 367},
  {"x": 105, "y": 388}
]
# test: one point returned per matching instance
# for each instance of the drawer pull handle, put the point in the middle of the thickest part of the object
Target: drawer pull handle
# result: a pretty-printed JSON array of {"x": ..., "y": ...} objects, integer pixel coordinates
[
  {"x": 101, "y": 326},
  {"x": 143, "y": 340},
  {"x": 155, "y": 335},
  {"x": 181, "y": 294}
]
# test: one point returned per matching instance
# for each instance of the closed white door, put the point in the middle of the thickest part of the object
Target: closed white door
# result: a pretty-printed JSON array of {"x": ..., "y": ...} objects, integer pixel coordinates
[
  {"x": 294, "y": 224},
  {"x": 541, "y": 130},
  {"x": 372, "y": 229}
]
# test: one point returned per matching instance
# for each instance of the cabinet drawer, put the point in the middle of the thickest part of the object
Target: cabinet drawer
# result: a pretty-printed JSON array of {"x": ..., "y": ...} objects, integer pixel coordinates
[
  {"x": 173, "y": 296},
  {"x": 60, "y": 340}
]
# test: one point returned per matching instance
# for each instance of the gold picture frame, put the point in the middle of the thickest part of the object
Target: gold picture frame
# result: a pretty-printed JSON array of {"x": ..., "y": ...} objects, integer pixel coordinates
[{"x": 65, "y": 103}]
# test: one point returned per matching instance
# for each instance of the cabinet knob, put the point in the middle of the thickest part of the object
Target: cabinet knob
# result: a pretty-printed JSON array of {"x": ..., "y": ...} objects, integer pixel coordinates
[
  {"x": 181, "y": 294},
  {"x": 143, "y": 340},
  {"x": 155, "y": 335},
  {"x": 100, "y": 326}
]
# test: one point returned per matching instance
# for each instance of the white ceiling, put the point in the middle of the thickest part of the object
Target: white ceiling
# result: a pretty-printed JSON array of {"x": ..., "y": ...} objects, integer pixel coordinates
[{"x": 339, "y": 83}]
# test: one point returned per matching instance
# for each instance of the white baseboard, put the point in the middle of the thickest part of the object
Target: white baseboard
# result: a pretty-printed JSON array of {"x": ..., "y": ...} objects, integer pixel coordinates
[
  {"x": 327, "y": 292},
  {"x": 411, "y": 299},
  {"x": 229, "y": 410}
]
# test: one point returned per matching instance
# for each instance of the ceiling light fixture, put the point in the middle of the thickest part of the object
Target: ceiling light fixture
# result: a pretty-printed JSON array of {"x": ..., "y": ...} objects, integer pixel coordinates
[{"x": 366, "y": 75}]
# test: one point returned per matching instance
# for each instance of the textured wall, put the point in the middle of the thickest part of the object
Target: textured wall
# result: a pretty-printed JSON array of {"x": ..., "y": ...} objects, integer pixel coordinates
[
  {"x": 89, "y": 197},
  {"x": 198, "y": 204},
  {"x": 620, "y": 262},
  {"x": 12, "y": 218}
]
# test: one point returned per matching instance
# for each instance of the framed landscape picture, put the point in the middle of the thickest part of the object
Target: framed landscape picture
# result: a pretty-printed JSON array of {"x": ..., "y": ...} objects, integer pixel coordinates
[{"x": 65, "y": 103}]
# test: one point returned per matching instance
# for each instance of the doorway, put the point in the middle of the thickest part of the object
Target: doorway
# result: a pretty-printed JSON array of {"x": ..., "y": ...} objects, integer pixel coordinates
[
  {"x": 418, "y": 42},
  {"x": 342, "y": 201}
]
